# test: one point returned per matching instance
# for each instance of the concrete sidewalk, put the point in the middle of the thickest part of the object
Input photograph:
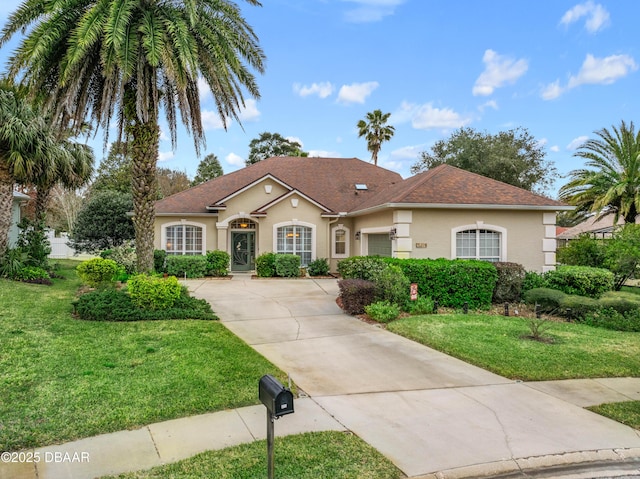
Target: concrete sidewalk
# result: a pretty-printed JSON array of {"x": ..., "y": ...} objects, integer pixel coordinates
[{"x": 434, "y": 416}]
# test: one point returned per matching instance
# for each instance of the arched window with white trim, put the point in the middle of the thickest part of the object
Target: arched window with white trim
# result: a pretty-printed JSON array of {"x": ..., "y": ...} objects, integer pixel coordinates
[
  {"x": 296, "y": 238},
  {"x": 479, "y": 241},
  {"x": 184, "y": 238}
]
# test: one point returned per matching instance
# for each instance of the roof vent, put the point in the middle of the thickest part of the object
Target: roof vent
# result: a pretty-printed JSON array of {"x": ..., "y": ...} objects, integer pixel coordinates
[{"x": 361, "y": 187}]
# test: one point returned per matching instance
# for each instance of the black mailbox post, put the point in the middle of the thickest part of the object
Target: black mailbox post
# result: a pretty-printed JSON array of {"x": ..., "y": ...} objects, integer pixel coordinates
[{"x": 279, "y": 401}]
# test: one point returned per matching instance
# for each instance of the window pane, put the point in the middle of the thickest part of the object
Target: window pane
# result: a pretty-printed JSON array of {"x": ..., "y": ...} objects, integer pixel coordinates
[
  {"x": 478, "y": 244},
  {"x": 466, "y": 244}
]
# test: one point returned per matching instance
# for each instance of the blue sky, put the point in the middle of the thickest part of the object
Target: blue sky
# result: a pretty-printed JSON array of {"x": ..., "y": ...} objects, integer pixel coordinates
[{"x": 562, "y": 69}]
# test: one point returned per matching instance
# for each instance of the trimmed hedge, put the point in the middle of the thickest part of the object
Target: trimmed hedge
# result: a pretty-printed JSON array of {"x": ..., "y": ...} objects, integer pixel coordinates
[
  {"x": 218, "y": 263},
  {"x": 580, "y": 280},
  {"x": 548, "y": 299},
  {"x": 578, "y": 307},
  {"x": 97, "y": 272},
  {"x": 451, "y": 282},
  {"x": 152, "y": 292},
  {"x": 266, "y": 265},
  {"x": 509, "y": 283},
  {"x": 355, "y": 294},
  {"x": 287, "y": 265},
  {"x": 318, "y": 267},
  {"x": 191, "y": 266},
  {"x": 361, "y": 267}
]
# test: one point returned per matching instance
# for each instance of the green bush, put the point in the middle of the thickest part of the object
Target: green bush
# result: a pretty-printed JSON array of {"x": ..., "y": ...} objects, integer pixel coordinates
[
  {"x": 152, "y": 292},
  {"x": 318, "y": 267},
  {"x": 580, "y": 280},
  {"x": 620, "y": 301},
  {"x": 33, "y": 274},
  {"x": 509, "y": 283},
  {"x": 13, "y": 260},
  {"x": 585, "y": 250},
  {"x": 548, "y": 299},
  {"x": 125, "y": 255},
  {"x": 287, "y": 265},
  {"x": 392, "y": 285},
  {"x": 609, "y": 318},
  {"x": 577, "y": 307},
  {"x": 533, "y": 280},
  {"x": 218, "y": 263},
  {"x": 451, "y": 282},
  {"x": 355, "y": 294},
  {"x": 361, "y": 267},
  {"x": 422, "y": 305},
  {"x": 159, "y": 261},
  {"x": 114, "y": 305},
  {"x": 97, "y": 272},
  {"x": 382, "y": 311},
  {"x": 266, "y": 265},
  {"x": 190, "y": 266}
]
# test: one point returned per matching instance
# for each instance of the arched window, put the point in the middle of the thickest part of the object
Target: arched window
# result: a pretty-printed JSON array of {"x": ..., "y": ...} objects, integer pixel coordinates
[
  {"x": 184, "y": 238},
  {"x": 483, "y": 242},
  {"x": 340, "y": 241},
  {"x": 295, "y": 239}
]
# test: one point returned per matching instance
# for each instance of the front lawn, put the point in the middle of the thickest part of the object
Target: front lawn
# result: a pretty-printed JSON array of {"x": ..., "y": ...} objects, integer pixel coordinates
[
  {"x": 63, "y": 379},
  {"x": 495, "y": 343},
  {"x": 625, "y": 412},
  {"x": 319, "y": 455}
]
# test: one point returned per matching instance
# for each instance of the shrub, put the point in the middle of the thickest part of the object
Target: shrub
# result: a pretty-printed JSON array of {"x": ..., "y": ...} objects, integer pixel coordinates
[
  {"x": 152, "y": 292},
  {"x": 218, "y": 263},
  {"x": 580, "y": 280},
  {"x": 318, "y": 267},
  {"x": 577, "y": 307},
  {"x": 159, "y": 261},
  {"x": 533, "y": 280},
  {"x": 125, "y": 255},
  {"x": 114, "y": 305},
  {"x": 422, "y": 305},
  {"x": 609, "y": 318},
  {"x": 33, "y": 240},
  {"x": 382, "y": 311},
  {"x": 620, "y": 301},
  {"x": 13, "y": 260},
  {"x": 266, "y": 265},
  {"x": 509, "y": 283},
  {"x": 287, "y": 265},
  {"x": 190, "y": 266},
  {"x": 355, "y": 294},
  {"x": 548, "y": 299},
  {"x": 361, "y": 267},
  {"x": 392, "y": 285},
  {"x": 33, "y": 274},
  {"x": 97, "y": 272}
]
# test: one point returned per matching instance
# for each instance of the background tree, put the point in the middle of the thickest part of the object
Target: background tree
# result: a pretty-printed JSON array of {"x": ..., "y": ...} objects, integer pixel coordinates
[
  {"x": 514, "y": 157},
  {"x": 171, "y": 181},
  {"x": 114, "y": 171},
  {"x": 103, "y": 222},
  {"x": 134, "y": 58},
  {"x": 612, "y": 185},
  {"x": 64, "y": 208},
  {"x": 375, "y": 130},
  {"x": 208, "y": 169},
  {"x": 272, "y": 144}
]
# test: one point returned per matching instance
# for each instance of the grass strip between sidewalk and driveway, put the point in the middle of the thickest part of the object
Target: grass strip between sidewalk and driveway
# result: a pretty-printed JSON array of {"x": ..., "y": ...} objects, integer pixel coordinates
[
  {"x": 625, "y": 412},
  {"x": 496, "y": 343},
  {"x": 62, "y": 379},
  {"x": 314, "y": 455}
]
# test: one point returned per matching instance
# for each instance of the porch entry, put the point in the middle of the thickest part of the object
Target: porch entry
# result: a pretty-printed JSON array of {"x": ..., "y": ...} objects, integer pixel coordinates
[{"x": 243, "y": 250}]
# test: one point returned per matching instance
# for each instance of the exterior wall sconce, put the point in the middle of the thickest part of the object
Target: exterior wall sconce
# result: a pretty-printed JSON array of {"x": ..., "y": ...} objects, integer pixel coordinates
[
  {"x": 392, "y": 234},
  {"x": 357, "y": 235}
]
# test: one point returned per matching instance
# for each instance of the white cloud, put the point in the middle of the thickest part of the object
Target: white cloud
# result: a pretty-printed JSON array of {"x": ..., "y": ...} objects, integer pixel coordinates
[
  {"x": 250, "y": 111},
  {"x": 296, "y": 139},
  {"x": 371, "y": 10},
  {"x": 234, "y": 159},
  {"x": 165, "y": 155},
  {"x": 324, "y": 154},
  {"x": 203, "y": 90},
  {"x": 323, "y": 89},
  {"x": 426, "y": 117},
  {"x": 577, "y": 143},
  {"x": 555, "y": 148},
  {"x": 603, "y": 70},
  {"x": 356, "y": 92},
  {"x": 488, "y": 104},
  {"x": 211, "y": 120},
  {"x": 499, "y": 70},
  {"x": 410, "y": 152},
  {"x": 597, "y": 17},
  {"x": 552, "y": 91}
]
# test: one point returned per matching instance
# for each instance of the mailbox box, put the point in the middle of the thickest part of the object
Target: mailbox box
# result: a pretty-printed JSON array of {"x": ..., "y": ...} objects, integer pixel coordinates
[{"x": 277, "y": 398}]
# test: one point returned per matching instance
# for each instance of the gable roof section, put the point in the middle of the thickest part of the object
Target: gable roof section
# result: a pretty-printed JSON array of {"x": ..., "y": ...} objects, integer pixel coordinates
[
  {"x": 327, "y": 181},
  {"x": 446, "y": 186},
  {"x": 262, "y": 210}
]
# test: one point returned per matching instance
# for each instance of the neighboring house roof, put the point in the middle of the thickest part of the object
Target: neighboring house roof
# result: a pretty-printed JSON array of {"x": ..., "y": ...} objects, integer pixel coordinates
[
  {"x": 20, "y": 196},
  {"x": 594, "y": 225},
  {"x": 331, "y": 183}
]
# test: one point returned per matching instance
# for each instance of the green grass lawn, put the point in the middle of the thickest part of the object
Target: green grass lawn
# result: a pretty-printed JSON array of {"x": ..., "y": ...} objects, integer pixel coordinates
[
  {"x": 62, "y": 378},
  {"x": 320, "y": 455},
  {"x": 495, "y": 343},
  {"x": 625, "y": 412}
]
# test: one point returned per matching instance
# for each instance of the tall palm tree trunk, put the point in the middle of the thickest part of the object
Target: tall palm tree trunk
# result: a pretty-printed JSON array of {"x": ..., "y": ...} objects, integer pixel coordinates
[
  {"x": 146, "y": 137},
  {"x": 6, "y": 203}
]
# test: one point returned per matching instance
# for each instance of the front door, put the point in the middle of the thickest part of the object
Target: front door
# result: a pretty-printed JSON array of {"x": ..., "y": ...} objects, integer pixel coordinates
[{"x": 243, "y": 246}]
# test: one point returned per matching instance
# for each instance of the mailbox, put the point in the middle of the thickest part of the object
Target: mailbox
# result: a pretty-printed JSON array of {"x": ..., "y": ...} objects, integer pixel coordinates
[{"x": 277, "y": 398}]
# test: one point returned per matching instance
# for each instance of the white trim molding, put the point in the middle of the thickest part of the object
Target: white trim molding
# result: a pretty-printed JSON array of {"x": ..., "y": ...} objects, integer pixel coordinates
[
  {"x": 295, "y": 223},
  {"x": 183, "y": 222}
]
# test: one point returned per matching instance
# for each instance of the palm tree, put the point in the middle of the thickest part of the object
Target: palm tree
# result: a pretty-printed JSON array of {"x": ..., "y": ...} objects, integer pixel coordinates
[
  {"x": 376, "y": 131},
  {"x": 133, "y": 58},
  {"x": 26, "y": 148},
  {"x": 611, "y": 183}
]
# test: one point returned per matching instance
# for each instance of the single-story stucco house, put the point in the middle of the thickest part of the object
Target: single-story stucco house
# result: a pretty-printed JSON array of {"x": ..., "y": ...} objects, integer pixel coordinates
[
  {"x": 14, "y": 231},
  {"x": 339, "y": 207}
]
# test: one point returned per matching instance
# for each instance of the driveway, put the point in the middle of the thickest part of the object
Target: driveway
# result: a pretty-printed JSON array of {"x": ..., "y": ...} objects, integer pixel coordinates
[{"x": 424, "y": 410}]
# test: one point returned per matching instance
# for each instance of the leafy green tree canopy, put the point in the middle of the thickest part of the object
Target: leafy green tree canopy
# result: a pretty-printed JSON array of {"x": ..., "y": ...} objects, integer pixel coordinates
[
  {"x": 114, "y": 172},
  {"x": 103, "y": 222},
  {"x": 514, "y": 157},
  {"x": 272, "y": 144},
  {"x": 208, "y": 169},
  {"x": 171, "y": 181}
]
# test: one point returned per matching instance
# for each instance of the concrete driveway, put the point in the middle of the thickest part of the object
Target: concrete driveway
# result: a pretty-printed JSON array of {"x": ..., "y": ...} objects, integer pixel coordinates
[{"x": 424, "y": 410}]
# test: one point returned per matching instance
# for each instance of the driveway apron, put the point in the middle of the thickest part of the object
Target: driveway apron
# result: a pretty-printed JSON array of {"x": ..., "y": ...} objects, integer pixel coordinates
[{"x": 424, "y": 410}]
